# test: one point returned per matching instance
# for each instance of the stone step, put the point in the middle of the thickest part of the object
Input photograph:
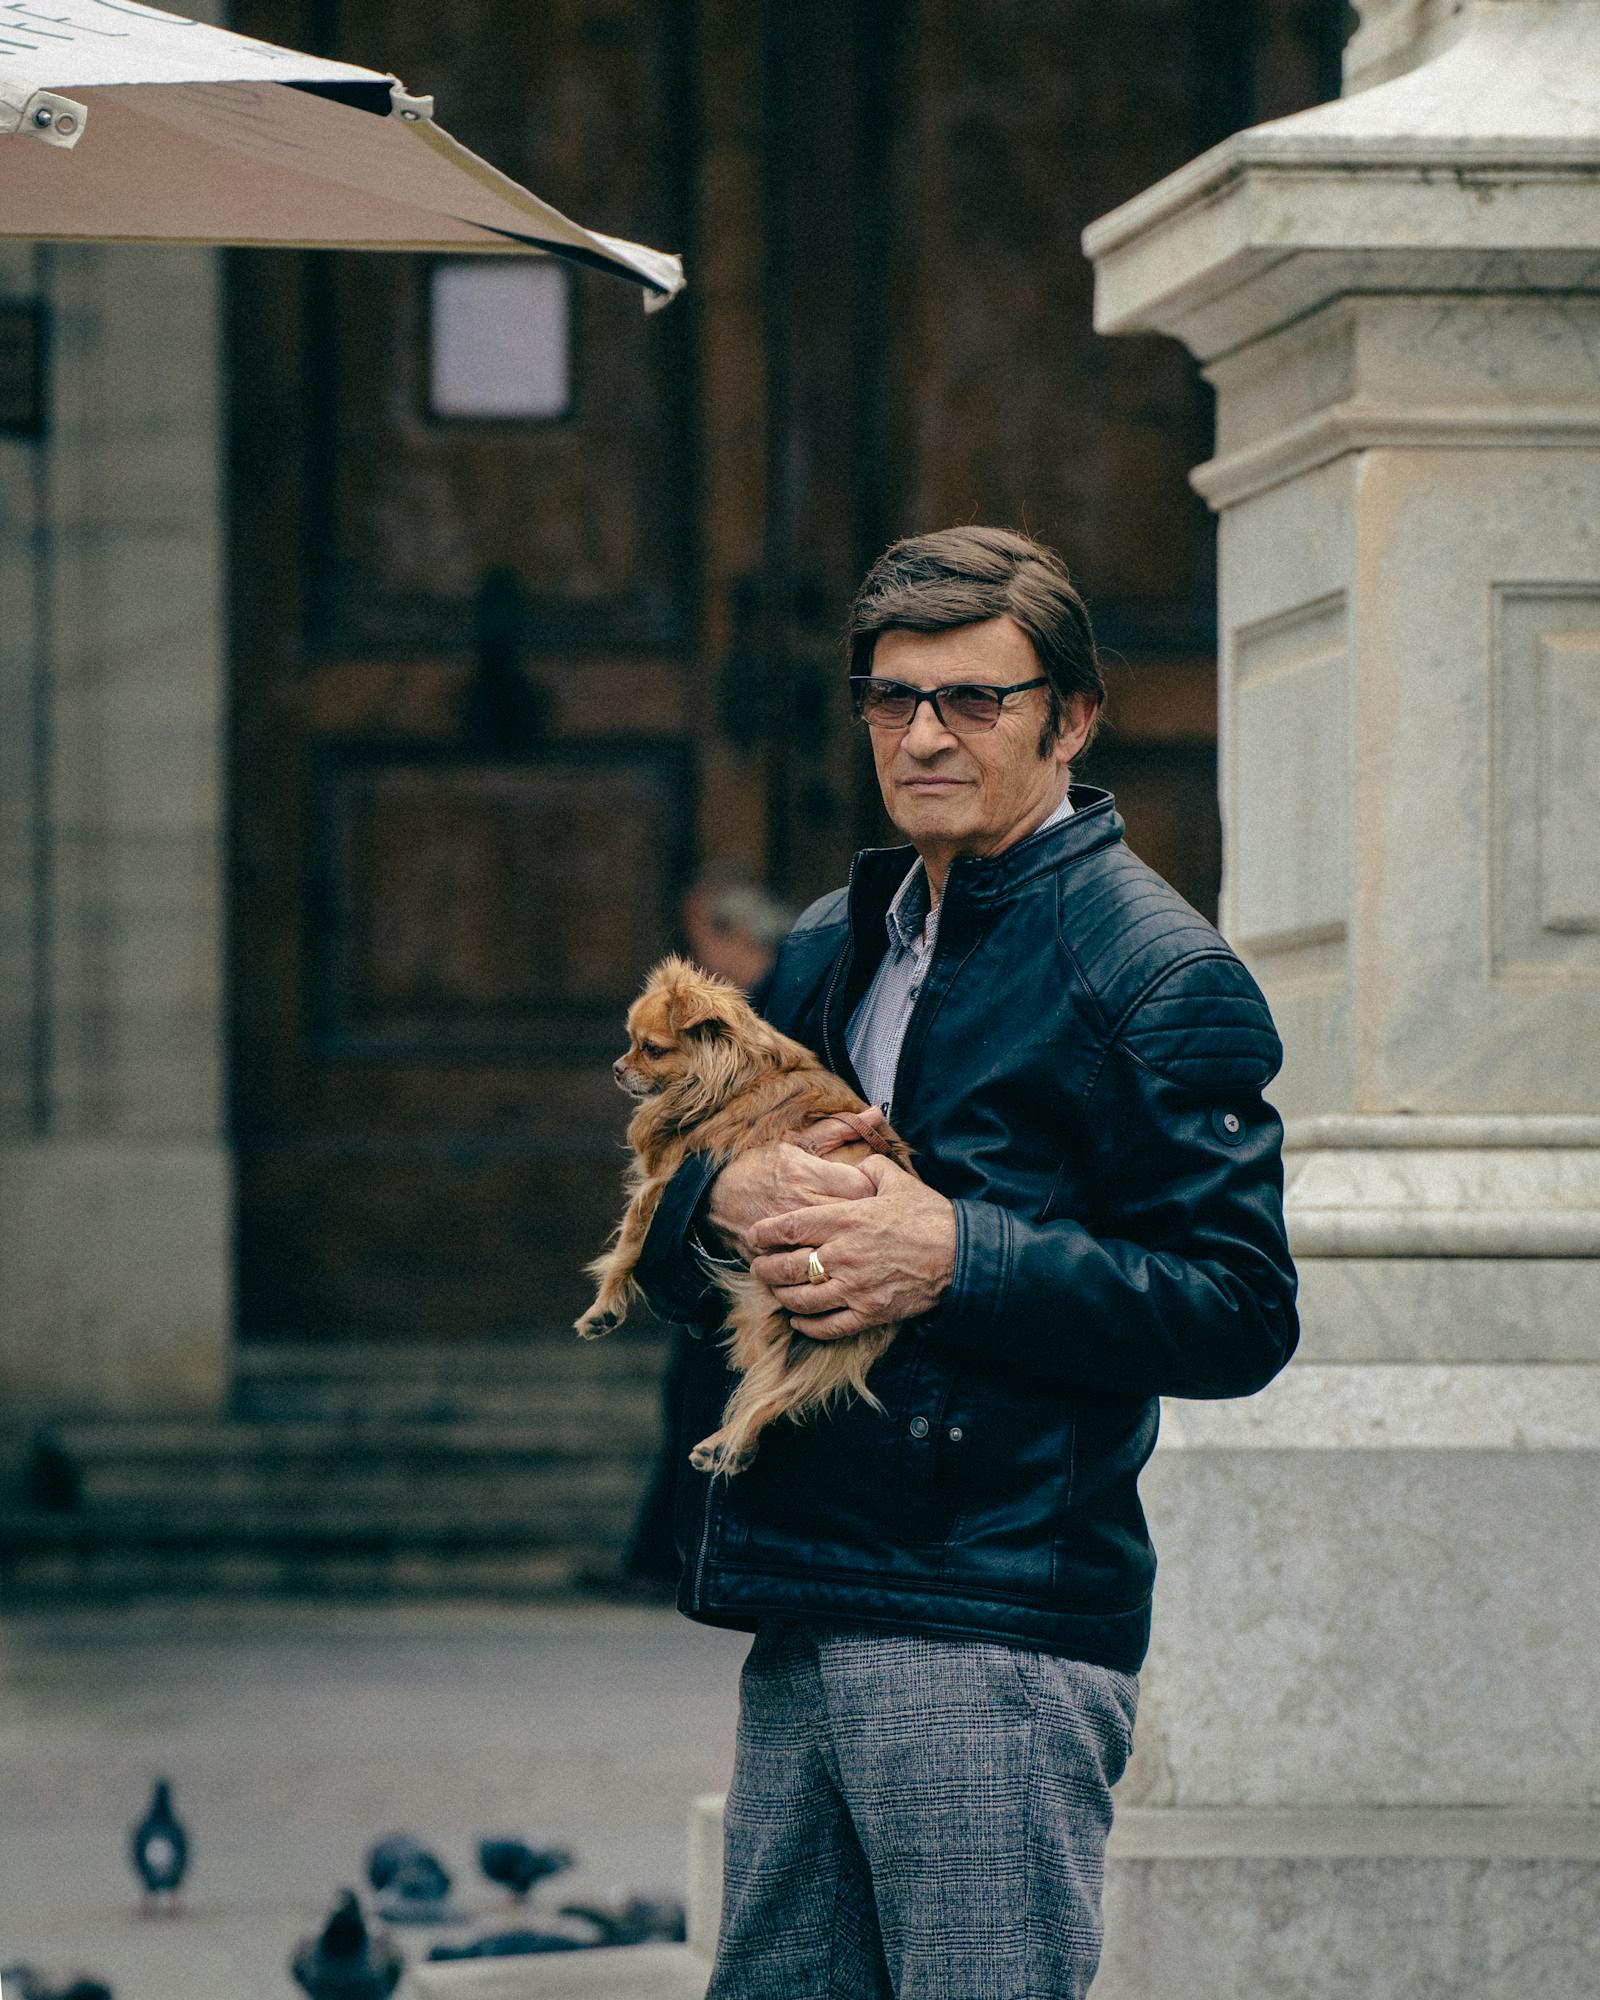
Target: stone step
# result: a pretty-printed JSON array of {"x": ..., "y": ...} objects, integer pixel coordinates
[
  {"x": 388, "y": 1473},
  {"x": 342, "y": 1545},
  {"x": 36, "y": 1572},
  {"x": 425, "y": 1473},
  {"x": 441, "y": 1382},
  {"x": 225, "y": 1451}
]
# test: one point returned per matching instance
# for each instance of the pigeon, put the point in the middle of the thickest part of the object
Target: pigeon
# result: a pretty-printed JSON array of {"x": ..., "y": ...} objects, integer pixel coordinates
[
  {"x": 639, "y": 1920},
  {"x": 344, "y": 1961},
  {"x": 517, "y": 1866},
  {"x": 413, "y": 1883},
  {"x": 159, "y": 1847},
  {"x": 508, "y": 1944},
  {"x": 23, "y": 1982},
  {"x": 385, "y": 1856}
]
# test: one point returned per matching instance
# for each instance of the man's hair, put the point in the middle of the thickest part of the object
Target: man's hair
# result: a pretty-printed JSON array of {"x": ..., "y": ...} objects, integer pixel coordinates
[{"x": 965, "y": 576}]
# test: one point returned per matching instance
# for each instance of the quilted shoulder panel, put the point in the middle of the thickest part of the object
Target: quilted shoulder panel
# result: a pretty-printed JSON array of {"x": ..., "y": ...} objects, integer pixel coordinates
[
  {"x": 1125, "y": 927},
  {"x": 1167, "y": 985},
  {"x": 1205, "y": 1025}
]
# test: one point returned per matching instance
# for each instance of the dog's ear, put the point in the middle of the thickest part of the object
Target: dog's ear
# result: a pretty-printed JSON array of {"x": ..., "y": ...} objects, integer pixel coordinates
[{"x": 697, "y": 1012}]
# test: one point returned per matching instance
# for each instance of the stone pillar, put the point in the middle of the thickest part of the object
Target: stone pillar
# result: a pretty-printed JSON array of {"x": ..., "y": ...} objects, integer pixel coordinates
[
  {"x": 1396, "y": 35},
  {"x": 1368, "y": 1758},
  {"x": 115, "y": 1204}
]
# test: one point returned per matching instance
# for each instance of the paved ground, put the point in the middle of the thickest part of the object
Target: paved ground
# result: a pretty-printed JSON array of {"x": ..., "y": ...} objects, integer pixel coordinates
[{"x": 295, "y": 1735}]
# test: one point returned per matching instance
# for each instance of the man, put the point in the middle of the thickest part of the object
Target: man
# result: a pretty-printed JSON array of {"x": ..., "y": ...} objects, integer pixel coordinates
[{"x": 951, "y": 1592}]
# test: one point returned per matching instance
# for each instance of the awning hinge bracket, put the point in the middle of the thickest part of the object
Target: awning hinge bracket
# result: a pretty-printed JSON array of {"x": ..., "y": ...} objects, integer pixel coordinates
[
  {"x": 403, "y": 105},
  {"x": 59, "y": 121}
]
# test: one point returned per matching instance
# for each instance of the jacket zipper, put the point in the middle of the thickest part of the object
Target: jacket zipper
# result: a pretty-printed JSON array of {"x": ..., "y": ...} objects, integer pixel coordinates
[{"x": 697, "y": 1594}]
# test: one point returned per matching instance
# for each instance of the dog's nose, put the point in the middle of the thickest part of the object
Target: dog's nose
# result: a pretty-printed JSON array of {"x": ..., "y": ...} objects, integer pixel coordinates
[{"x": 616, "y": 1067}]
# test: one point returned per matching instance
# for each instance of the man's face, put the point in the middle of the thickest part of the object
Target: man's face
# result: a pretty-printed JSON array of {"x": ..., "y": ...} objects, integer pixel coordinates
[{"x": 971, "y": 794}]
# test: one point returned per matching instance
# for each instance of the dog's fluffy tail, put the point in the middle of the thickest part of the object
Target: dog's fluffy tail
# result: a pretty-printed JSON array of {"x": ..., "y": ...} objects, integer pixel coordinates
[{"x": 782, "y": 1373}]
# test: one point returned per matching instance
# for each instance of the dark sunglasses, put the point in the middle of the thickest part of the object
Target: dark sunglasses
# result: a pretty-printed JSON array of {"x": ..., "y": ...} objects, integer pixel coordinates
[{"x": 965, "y": 707}]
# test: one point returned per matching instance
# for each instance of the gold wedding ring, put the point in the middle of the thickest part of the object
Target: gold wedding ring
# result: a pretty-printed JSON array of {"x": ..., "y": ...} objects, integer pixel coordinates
[{"x": 816, "y": 1270}]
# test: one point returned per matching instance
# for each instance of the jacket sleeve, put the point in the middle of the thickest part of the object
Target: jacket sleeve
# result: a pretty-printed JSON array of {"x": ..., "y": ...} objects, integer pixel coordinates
[
  {"x": 676, "y": 1284},
  {"x": 1181, "y": 1284}
]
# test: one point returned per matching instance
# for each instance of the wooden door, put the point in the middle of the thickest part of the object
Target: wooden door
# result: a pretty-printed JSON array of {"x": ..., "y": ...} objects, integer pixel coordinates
[
  {"x": 499, "y": 684},
  {"x": 463, "y": 790}
]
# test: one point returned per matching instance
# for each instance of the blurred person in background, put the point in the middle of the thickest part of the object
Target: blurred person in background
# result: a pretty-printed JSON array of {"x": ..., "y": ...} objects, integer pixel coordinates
[{"x": 733, "y": 926}]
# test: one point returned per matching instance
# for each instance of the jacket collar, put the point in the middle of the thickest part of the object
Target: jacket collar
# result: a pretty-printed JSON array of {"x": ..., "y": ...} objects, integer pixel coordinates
[
  {"x": 975, "y": 885},
  {"x": 977, "y": 881}
]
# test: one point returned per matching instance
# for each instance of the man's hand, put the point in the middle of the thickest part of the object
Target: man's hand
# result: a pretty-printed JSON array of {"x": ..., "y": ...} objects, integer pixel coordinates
[
  {"x": 887, "y": 1259},
  {"x": 790, "y": 1173}
]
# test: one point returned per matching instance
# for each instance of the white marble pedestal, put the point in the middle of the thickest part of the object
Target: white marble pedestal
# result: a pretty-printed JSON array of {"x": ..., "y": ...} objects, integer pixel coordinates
[{"x": 1369, "y": 1758}]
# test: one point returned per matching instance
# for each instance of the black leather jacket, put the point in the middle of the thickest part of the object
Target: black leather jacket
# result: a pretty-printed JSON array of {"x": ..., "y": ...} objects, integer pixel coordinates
[{"x": 1082, "y": 1077}]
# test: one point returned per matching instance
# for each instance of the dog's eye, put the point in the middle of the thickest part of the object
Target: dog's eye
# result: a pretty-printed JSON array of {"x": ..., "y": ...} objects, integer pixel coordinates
[{"x": 657, "y": 1049}]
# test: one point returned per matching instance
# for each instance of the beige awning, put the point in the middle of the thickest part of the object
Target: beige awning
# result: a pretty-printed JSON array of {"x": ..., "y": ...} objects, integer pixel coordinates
[{"x": 119, "y": 123}]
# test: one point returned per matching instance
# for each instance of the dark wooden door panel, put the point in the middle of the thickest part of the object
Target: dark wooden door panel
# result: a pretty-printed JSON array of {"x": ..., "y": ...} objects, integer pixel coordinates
[
  {"x": 590, "y": 509},
  {"x": 463, "y": 781},
  {"x": 464, "y": 1242},
  {"x": 477, "y": 908}
]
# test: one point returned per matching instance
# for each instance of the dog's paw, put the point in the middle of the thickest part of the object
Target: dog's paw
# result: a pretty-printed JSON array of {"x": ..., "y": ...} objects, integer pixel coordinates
[
  {"x": 593, "y": 1324},
  {"x": 712, "y": 1456}
]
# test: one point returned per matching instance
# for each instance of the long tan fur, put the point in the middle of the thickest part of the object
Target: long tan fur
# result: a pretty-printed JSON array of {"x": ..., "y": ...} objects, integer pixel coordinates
[{"x": 712, "y": 1077}]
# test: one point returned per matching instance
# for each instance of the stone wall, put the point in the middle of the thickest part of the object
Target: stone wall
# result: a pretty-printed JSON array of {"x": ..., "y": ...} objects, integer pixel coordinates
[
  {"x": 1366, "y": 1753},
  {"x": 114, "y": 1202}
]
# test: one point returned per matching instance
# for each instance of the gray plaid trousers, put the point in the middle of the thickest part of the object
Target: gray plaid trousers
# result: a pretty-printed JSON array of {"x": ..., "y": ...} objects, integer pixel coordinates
[{"x": 916, "y": 1818}]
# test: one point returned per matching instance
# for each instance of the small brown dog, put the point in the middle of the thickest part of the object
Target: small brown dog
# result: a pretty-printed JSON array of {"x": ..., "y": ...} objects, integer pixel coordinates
[{"x": 712, "y": 1077}]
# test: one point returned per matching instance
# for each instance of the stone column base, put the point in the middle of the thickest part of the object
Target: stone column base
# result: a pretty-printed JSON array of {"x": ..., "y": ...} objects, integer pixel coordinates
[{"x": 1353, "y": 1903}]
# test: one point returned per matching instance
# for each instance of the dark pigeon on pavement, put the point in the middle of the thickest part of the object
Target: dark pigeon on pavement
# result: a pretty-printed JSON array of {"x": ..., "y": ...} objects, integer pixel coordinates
[
  {"x": 159, "y": 1848},
  {"x": 418, "y": 1892},
  {"x": 508, "y": 1944},
  {"x": 517, "y": 1865},
  {"x": 385, "y": 1856},
  {"x": 638, "y": 1920},
  {"x": 23, "y": 1982},
  {"x": 344, "y": 1961}
]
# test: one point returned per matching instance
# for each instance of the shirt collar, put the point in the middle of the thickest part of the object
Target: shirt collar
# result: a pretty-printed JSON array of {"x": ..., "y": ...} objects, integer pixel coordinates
[
  {"x": 910, "y": 922},
  {"x": 908, "y": 914}
]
